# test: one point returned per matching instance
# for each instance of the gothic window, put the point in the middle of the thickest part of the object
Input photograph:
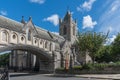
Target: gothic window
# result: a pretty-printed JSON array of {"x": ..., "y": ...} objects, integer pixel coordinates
[
  {"x": 29, "y": 35},
  {"x": 14, "y": 36},
  {"x": 41, "y": 41},
  {"x": 46, "y": 44},
  {"x": 64, "y": 30},
  {"x": 22, "y": 38},
  {"x": 50, "y": 46},
  {"x": 35, "y": 41},
  {"x": 73, "y": 30},
  {"x": 5, "y": 36}
]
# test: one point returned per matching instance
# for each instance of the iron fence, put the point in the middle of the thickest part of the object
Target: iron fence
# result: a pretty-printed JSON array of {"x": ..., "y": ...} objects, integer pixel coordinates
[{"x": 4, "y": 74}]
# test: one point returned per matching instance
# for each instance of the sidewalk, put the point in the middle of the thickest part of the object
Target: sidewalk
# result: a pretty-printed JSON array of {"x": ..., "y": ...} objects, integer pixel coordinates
[
  {"x": 101, "y": 76},
  {"x": 96, "y": 76}
]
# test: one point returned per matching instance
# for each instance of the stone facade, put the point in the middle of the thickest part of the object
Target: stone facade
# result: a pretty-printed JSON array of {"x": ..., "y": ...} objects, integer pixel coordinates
[{"x": 58, "y": 47}]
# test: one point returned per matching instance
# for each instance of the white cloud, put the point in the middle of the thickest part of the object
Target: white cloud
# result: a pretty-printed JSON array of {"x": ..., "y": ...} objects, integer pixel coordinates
[
  {"x": 114, "y": 6},
  {"x": 109, "y": 20},
  {"x": 56, "y": 33},
  {"x": 37, "y": 1},
  {"x": 110, "y": 40},
  {"x": 87, "y": 6},
  {"x": 4, "y": 13},
  {"x": 88, "y": 23},
  {"x": 53, "y": 19},
  {"x": 110, "y": 29}
]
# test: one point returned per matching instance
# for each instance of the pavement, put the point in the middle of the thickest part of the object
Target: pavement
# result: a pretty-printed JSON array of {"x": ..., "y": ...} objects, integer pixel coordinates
[{"x": 95, "y": 76}]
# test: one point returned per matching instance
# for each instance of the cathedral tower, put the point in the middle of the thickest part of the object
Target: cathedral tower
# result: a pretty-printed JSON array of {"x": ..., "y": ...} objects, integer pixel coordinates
[{"x": 68, "y": 27}]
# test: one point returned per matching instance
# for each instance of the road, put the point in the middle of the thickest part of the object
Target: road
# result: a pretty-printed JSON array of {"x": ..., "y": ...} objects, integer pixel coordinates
[{"x": 45, "y": 77}]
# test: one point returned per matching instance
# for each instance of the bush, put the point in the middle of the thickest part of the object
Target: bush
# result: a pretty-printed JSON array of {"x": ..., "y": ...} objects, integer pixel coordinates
[
  {"x": 88, "y": 66},
  {"x": 77, "y": 67},
  {"x": 100, "y": 66},
  {"x": 97, "y": 68},
  {"x": 60, "y": 69}
]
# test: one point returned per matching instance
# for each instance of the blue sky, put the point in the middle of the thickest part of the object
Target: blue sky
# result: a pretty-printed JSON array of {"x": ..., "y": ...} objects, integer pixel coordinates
[{"x": 94, "y": 15}]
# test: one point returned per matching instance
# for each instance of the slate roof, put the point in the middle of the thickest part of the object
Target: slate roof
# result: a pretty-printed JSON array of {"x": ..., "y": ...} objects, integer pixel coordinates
[
  {"x": 18, "y": 27},
  {"x": 11, "y": 24}
]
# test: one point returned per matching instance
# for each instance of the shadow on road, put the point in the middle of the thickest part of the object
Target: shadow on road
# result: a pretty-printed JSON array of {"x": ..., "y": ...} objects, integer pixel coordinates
[
  {"x": 22, "y": 74},
  {"x": 60, "y": 75}
]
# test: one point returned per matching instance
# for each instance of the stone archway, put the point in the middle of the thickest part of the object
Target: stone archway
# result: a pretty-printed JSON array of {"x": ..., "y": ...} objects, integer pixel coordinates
[{"x": 43, "y": 60}]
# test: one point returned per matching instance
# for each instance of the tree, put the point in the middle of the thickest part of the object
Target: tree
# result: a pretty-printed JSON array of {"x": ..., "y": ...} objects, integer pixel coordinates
[
  {"x": 4, "y": 59},
  {"x": 104, "y": 54},
  {"x": 91, "y": 42},
  {"x": 116, "y": 48}
]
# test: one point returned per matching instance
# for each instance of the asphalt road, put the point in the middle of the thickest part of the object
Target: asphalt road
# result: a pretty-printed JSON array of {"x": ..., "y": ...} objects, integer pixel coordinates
[{"x": 44, "y": 77}]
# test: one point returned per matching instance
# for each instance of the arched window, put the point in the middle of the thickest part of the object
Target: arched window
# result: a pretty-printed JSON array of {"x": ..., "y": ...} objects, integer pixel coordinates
[
  {"x": 41, "y": 41},
  {"x": 64, "y": 30},
  {"x": 46, "y": 44},
  {"x": 14, "y": 36},
  {"x": 29, "y": 35},
  {"x": 35, "y": 41},
  {"x": 50, "y": 46},
  {"x": 73, "y": 30},
  {"x": 4, "y": 36},
  {"x": 22, "y": 38}
]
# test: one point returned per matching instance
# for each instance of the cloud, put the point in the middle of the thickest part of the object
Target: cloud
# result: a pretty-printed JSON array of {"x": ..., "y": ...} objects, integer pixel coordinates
[
  {"x": 37, "y": 1},
  {"x": 109, "y": 19},
  {"x": 114, "y": 6},
  {"x": 4, "y": 13},
  {"x": 55, "y": 33},
  {"x": 53, "y": 19},
  {"x": 86, "y": 6},
  {"x": 88, "y": 23},
  {"x": 110, "y": 40}
]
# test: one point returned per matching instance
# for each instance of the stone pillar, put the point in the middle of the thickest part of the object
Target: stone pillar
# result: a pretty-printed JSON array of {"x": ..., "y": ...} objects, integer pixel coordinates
[
  {"x": 10, "y": 60},
  {"x": 29, "y": 64},
  {"x": 14, "y": 60},
  {"x": 53, "y": 60},
  {"x": 62, "y": 60},
  {"x": 37, "y": 64},
  {"x": 71, "y": 62}
]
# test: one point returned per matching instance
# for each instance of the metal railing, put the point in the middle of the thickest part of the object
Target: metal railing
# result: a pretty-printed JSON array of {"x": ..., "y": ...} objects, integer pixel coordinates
[{"x": 4, "y": 74}]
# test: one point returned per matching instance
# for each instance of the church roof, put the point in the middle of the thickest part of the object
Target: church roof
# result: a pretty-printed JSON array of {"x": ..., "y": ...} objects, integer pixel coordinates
[
  {"x": 11, "y": 24},
  {"x": 67, "y": 16},
  {"x": 18, "y": 27}
]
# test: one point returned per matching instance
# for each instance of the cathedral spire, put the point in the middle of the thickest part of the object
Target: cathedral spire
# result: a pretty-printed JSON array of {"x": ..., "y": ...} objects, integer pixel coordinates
[
  {"x": 68, "y": 16},
  {"x": 30, "y": 18},
  {"x": 23, "y": 21},
  {"x": 68, "y": 27}
]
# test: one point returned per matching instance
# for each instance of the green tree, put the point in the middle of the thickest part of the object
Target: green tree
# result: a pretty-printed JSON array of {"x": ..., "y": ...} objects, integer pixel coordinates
[
  {"x": 116, "y": 48},
  {"x": 4, "y": 59},
  {"x": 91, "y": 42},
  {"x": 104, "y": 54}
]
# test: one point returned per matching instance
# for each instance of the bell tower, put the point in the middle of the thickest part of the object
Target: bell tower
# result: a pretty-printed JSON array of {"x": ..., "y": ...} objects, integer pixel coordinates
[{"x": 68, "y": 27}]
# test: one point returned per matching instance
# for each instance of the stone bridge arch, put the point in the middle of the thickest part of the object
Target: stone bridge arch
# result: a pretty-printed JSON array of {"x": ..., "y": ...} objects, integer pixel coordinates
[{"x": 44, "y": 61}]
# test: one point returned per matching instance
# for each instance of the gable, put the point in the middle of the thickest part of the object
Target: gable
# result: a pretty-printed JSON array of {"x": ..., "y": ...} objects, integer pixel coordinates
[{"x": 29, "y": 26}]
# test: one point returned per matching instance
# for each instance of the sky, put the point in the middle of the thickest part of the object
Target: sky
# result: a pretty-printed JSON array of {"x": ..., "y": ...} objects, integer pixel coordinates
[{"x": 91, "y": 15}]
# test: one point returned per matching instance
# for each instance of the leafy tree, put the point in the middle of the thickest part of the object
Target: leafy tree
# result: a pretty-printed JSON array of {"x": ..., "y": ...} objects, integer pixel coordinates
[
  {"x": 104, "y": 54},
  {"x": 91, "y": 42},
  {"x": 116, "y": 48},
  {"x": 4, "y": 59}
]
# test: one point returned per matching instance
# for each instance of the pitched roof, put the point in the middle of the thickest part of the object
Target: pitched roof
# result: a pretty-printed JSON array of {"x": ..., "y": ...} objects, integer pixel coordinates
[
  {"x": 11, "y": 24},
  {"x": 18, "y": 27}
]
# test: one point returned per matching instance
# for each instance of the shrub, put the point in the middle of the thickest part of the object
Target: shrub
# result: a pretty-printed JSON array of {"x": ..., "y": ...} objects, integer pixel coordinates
[
  {"x": 77, "y": 67},
  {"x": 88, "y": 66}
]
